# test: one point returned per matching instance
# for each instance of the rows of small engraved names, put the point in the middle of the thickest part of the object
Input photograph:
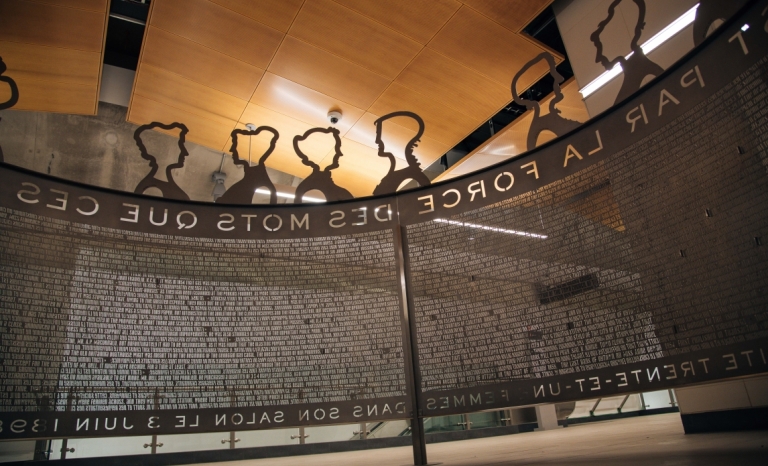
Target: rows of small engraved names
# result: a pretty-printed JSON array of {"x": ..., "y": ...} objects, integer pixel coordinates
[
  {"x": 698, "y": 240},
  {"x": 201, "y": 321},
  {"x": 655, "y": 251}
]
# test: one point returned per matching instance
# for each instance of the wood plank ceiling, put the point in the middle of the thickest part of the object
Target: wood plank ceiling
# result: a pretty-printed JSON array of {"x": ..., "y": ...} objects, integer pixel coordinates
[
  {"x": 511, "y": 141},
  {"x": 216, "y": 65},
  {"x": 54, "y": 51}
]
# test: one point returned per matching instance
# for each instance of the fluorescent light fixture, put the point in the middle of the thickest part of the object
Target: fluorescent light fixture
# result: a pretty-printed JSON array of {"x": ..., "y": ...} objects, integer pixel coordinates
[
  {"x": 494, "y": 229},
  {"x": 289, "y": 196},
  {"x": 652, "y": 44}
]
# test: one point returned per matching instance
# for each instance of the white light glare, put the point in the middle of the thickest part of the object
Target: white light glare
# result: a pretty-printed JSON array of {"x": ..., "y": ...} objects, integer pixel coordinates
[
  {"x": 651, "y": 44},
  {"x": 745, "y": 28},
  {"x": 289, "y": 196},
  {"x": 494, "y": 229},
  {"x": 376, "y": 211}
]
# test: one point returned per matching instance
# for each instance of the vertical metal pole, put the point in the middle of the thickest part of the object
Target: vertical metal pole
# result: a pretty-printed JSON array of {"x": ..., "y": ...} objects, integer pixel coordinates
[
  {"x": 64, "y": 450},
  {"x": 410, "y": 351}
]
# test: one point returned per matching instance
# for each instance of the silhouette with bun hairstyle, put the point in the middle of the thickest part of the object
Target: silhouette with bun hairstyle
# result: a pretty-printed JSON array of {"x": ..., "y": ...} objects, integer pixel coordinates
[
  {"x": 552, "y": 121},
  {"x": 394, "y": 178},
  {"x": 14, "y": 94},
  {"x": 169, "y": 188},
  {"x": 710, "y": 15},
  {"x": 320, "y": 179},
  {"x": 638, "y": 66},
  {"x": 255, "y": 176}
]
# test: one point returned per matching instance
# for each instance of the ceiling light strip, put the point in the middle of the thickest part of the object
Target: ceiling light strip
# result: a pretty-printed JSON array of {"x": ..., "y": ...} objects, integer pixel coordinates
[
  {"x": 289, "y": 196},
  {"x": 494, "y": 229}
]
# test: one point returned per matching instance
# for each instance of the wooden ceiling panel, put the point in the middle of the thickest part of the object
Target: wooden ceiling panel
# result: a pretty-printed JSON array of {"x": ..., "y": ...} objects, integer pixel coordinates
[
  {"x": 512, "y": 140},
  {"x": 395, "y": 137},
  {"x": 277, "y": 14},
  {"x": 302, "y": 103},
  {"x": 218, "y": 28},
  {"x": 327, "y": 73},
  {"x": 36, "y": 62},
  {"x": 443, "y": 123},
  {"x": 93, "y": 5},
  {"x": 210, "y": 132},
  {"x": 466, "y": 38},
  {"x": 512, "y": 14},
  {"x": 350, "y": 35},
  {"x": 55, "y": 26},
  {"x": 284, "y": 158},
  {"x": 417, "y": 19},
  {"x": 203, "y": 64},
  {"x": 53, "y": 96},
  {"x": 209, "y": 67},
  {"x": 448, "y": 81},
  {"x": 179, "y": 92}
]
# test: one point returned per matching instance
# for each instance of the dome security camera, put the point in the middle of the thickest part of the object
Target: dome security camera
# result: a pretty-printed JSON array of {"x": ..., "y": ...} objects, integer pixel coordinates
[{"x": 334, "y": 116}]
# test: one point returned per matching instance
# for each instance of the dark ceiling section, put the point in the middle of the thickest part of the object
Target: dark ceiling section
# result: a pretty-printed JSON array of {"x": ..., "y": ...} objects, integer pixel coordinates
[
  {"x": 125, "y": 32},
  {"x": 544, "y": 29}
]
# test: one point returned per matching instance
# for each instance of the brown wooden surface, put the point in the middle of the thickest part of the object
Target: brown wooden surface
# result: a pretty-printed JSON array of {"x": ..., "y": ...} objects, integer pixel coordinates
[
  {"x": 350, "y": 35},
  {"x": 277, "y": 14},
  {"x": 42, "y": 63},
  {"x": 93, "y": 5},
  {"x": 488, "y": 48},
  {"x": 219, "y": 28},
  {"x": 457, "y": 86},
  {"x": 199, "y": 63},
  {"x": 512, "y": 14},
  {"x": 417, "y": 19},
  {"x": 301, "y": 103},
  {"x": 55, "y": 26},
  {"x": 511, "y": 141},
  {"x": 54, "y": 51},
  {"x": 366, "y": 58},
  {"x": 325, "y": 72},
  {"x": 53, "y": 96}
]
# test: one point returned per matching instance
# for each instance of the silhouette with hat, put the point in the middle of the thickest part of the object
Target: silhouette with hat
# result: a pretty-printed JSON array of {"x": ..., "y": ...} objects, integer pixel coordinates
[
  {"x": 552, "y": 121},
  {"x": 14, "y": 94},
  {"x": 169, "y": 188},
  {"x": 255, "y": 176},
  {"x": 638, "y": 66},
  {"x": 394, "y": 178},
  {"x": 320, "y": 180}
]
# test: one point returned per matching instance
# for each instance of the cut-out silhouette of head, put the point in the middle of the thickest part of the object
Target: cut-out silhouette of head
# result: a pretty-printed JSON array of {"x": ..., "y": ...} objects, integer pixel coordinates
[
  {"x": 254, "y": 176},
  {"x": 394, "y": 178},
  {"x": 14, "y": 94},
  {"x": 337, "y": 148},
  {"x": 169, "y": 188},
  {"x": 634, "y": 45},
  {"x": 410, "y": 146},
  {"x": 710, "y": 15},
  {"x": 320, "y": 179},
  {"x": 532, "y": 104},
  {"x": 13, "y": 100},
  {"x": 552, "y": 121},
  {"x": 637, "y": 67}
]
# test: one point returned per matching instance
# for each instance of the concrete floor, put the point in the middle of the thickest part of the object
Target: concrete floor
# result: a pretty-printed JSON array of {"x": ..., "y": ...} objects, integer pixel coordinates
[{"x": 650, "y": 440}]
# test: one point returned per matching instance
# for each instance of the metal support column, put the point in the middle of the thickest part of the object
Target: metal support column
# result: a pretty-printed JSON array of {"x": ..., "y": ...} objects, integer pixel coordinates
[
  {"x": 71, "y": 398},
  {"x": 410, "y": 351},
  {"x": 154, "y": 443},
  {"x": 302, "y": 437}
]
